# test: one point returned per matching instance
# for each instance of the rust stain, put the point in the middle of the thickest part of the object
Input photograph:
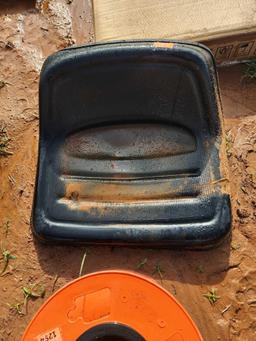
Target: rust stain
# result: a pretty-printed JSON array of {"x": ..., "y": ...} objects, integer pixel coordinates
[
  {"x": 99, "y": 209},
  {"x": 91, "y": 195},
  {"x": 94, "y": 196},
  {"x": 161, "y": 44},
  {"x": 118, "y": 191}
]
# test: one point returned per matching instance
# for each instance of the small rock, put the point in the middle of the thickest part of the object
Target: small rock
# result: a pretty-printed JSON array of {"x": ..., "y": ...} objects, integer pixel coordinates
[
  {"x": 242, "y": 213},
  {"x": 2, "y": 84},
  {"x": 9, "y": 45}
]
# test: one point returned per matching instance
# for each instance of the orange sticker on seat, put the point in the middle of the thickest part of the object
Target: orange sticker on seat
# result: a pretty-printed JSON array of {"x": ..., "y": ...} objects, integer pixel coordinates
[{"x": 167, "y": 45}]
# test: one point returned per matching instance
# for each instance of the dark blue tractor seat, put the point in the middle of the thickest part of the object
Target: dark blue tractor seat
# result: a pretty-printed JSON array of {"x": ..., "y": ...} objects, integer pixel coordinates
[{"x": 130, "y": 144}]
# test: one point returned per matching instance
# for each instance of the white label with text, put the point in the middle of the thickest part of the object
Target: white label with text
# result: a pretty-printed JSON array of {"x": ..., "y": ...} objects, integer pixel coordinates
[{"x": 51, "y": 335}]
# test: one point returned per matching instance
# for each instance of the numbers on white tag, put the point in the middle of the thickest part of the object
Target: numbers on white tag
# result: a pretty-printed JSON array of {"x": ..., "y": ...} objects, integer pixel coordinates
[{"x": 51, "y": 335}]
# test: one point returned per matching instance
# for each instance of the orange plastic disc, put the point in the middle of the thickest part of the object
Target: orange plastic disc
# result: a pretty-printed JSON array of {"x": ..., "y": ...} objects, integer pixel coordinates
[{"x": 123, "y": 300}]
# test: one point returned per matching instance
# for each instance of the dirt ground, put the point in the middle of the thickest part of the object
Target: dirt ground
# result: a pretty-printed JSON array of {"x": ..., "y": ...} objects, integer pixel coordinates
[{"x": 28, "y": 35}]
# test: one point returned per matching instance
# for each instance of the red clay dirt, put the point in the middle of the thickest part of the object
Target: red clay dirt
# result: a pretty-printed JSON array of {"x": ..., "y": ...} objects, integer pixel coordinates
[{"x": 28, "y": 35}]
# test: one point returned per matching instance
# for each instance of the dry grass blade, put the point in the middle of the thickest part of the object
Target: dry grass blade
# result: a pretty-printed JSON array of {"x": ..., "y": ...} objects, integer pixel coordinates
[
  {"x": 159, "y": 270},
  {"x": 142, "y": 263},
  {"x": 12, "y": 180},
  {"x": 54, "y": 282},
  {"x": 82, "y": 265},
  {"x": 226, "y": 309}
]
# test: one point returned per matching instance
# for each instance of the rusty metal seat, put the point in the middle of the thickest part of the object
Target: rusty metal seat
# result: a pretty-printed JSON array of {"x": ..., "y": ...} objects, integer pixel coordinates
[{"x": 130, "y": 140}]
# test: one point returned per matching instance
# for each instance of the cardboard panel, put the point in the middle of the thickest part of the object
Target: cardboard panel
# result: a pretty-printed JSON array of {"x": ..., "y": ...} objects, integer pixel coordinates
[{"x": 197, "y": 20}]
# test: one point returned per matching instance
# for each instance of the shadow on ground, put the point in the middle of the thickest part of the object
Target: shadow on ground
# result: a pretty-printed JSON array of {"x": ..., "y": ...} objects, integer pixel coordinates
[{"x": 195, "y": 267}]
